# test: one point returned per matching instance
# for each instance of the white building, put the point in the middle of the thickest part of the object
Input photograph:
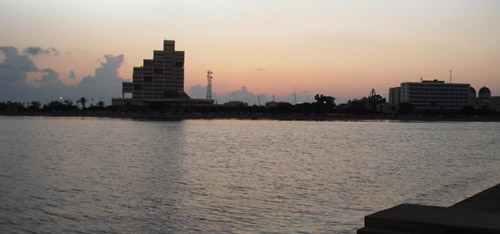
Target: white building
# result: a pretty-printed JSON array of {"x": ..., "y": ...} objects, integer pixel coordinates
[{"x": 434, "y": 94}]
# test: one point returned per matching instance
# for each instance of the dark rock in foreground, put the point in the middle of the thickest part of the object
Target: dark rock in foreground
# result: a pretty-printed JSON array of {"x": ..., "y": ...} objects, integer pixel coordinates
[{"x": 477, "y": 214}]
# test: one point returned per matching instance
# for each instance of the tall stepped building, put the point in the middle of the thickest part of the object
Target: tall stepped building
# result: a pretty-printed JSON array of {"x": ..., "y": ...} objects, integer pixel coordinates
[{"x": 160, "y": 79}]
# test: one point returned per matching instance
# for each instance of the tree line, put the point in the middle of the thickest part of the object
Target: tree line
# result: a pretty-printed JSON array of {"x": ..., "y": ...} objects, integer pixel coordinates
[
  {"x": 56, "y": 105},
  {"x": 323, "y": 105}
]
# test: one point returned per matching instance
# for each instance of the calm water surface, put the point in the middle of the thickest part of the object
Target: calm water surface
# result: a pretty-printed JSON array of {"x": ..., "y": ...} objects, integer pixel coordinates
[{"x": 91, "y": 175}]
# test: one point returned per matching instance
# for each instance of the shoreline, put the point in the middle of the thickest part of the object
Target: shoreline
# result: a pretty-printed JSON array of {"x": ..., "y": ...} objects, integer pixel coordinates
[{"x": 278, "y": 117}]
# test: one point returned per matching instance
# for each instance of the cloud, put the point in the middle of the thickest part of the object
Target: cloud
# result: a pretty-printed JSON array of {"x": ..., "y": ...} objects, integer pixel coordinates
[
  {"x": 54, "y": 51},
  {"x": 198, "y": 91},
  {"x": 72, "y": 75},
  {"x": 13, "y": 74},
  {"x": 32, "y": 50},
  {"x": 14, "y": 69},
  {"x": 14, "y": 62},
  {"x": 260, "y": 69},
  {"x": 105, "y": 83},
  {"x": 50, "y": 87},
  {"x": 50, "y": 79},
  {"x": 35, "y": 50},
  {"x": 245, "y": 96}
]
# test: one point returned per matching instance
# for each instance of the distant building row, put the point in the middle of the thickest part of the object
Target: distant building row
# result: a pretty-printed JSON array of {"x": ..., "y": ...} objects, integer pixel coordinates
[{"x": 435, "y": 94}]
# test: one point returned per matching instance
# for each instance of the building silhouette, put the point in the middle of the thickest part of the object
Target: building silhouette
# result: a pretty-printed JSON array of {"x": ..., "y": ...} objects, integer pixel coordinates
[
  {"x": 160, "y": 79},
  {"x": 484, "y": 93},
  {"x": 485, "y": 100},
  {"x": 395, "y": 95},
  {"x": 432, "y": 94}
]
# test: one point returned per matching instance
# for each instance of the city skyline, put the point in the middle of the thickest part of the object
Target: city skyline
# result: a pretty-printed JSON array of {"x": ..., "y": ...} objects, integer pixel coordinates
[{"x": 338, "y": 48}]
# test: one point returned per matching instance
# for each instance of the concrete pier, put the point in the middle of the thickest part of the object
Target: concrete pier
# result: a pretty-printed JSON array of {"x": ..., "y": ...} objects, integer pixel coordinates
[{"x": 477, "y": 214}]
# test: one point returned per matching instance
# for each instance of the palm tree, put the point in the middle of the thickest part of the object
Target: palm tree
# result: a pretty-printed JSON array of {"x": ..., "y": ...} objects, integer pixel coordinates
[
  {"x": 82, "y": 101},
  {"x": 100, "y": 104}
]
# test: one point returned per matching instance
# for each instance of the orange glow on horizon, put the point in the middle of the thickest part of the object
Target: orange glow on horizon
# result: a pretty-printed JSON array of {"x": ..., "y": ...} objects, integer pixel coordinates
[{"x": 339, "y": 48}]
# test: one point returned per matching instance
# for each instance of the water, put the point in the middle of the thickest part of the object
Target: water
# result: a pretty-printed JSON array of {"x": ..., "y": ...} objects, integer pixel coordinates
[{"x": 92, "y": 175}]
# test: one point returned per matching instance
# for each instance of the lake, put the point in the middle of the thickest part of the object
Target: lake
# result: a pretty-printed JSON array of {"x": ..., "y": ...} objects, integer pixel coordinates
[{"x": 100, "y": 175}]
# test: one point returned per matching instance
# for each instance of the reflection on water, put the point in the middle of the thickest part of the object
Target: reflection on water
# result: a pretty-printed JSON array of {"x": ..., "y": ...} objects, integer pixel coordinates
[{"x": 105, "y": 175}]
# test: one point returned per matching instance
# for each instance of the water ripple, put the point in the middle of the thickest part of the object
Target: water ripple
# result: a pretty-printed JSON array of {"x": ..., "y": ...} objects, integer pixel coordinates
[{"x": 91, "y": 175}]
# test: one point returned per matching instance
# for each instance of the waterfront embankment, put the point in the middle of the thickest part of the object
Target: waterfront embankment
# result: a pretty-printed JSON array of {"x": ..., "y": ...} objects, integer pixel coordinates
[{"x": 261, "y": 116}]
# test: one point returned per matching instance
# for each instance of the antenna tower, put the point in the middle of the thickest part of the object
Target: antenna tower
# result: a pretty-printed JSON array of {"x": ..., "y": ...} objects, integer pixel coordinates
[
  {"x": 295, "y": 95},
  {"x": 209, "y": 84},
  {"x": 451, "y": 77},
  {"x": 372, "y": 93}
]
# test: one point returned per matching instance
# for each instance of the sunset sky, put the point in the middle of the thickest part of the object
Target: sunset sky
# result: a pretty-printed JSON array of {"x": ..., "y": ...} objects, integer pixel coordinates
[{"x": 338, "y": 48}]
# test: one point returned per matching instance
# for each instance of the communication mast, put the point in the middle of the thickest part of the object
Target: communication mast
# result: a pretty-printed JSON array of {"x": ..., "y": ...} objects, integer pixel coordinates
[
  {"x": 295, "y": 95},
  {"x": 372, "y": 93},
  {"x": 209, "y": 84}
]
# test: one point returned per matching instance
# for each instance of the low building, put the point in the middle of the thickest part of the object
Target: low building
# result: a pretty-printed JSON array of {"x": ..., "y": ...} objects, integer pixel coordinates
[
  {"x": 484, "y": 93},
  {"x": 235, "y": 104},
  {"x": 273, "y": 104},
  {"x": 472, "y": 95},
  {"x": 395, "y": 95},
  {"x": 484, "y": 99}
]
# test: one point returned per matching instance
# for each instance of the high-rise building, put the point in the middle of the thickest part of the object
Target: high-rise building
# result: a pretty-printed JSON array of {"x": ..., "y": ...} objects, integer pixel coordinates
[
  {"x": 160, "y": 77},
  {"x": 159, "y": 80},
  {"x": 434, "y": 94}
]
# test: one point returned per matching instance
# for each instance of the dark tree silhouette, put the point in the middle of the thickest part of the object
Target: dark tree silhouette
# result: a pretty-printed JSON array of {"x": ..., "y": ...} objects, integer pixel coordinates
[
  {"x": 66, "y": 105},
  {"x": 35, "y": 106},
  {"x": 374, "y": 101},
  {"x": 100, "y": 104},
  {"x": 324, "y": 99},
  {"x": 82, "y": 101},
  {"x": 324, "y": 104},
  {"x": 356, "y": 106}
]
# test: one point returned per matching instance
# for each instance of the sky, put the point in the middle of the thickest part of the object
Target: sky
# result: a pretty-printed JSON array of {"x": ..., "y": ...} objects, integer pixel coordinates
[{"x": 255, "y": 48}]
